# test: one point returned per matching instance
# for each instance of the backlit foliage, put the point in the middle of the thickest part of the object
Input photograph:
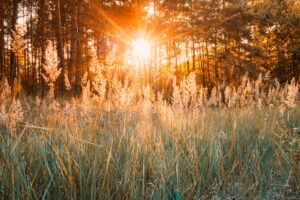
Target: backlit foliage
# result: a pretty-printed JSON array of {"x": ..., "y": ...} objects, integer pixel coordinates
[
  {"x": 225, "y": 142},
  {"x": 52, "y": 71}
]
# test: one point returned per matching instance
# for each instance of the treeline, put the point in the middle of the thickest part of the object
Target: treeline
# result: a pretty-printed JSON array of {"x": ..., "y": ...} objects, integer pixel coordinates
[{"x": 219, "y": 40}]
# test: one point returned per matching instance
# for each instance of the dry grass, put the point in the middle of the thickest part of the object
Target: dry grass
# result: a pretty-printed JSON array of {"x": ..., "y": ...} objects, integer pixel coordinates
[
  {"x": 239, "y": 153},
  {"x": 151, "y": 149}
]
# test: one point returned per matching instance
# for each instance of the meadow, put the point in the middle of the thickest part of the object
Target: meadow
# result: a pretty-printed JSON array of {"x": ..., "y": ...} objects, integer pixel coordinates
[
  {"x": 150, "y": 99},
  {"x": 128, "y": 142}
]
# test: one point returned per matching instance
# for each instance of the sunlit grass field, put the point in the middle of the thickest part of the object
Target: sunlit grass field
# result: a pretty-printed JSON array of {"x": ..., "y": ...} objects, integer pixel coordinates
[{"x": 79, "y": 149}]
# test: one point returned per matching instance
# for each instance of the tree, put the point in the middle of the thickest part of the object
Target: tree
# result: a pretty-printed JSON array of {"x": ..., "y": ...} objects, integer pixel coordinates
[
  {"x": 13, "y": 63},
  {"x": 60, "y": 46},
  {"x": 278, "y": 35},
  {"x": 219, "y": 40},
  {"x": 2, "y": 14}
]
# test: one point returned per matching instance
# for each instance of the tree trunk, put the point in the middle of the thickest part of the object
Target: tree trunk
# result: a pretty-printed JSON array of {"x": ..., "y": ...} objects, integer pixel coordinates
[
  {"x": 13, "y": 63},
  {"x": 2, "y": 10},
  {"x": 60, "y": 49},
  {"x": 187, "y": 57},
  {"x": 79, "y": 68},
  {"x": 201, "y": 62},
  {"x": 74, "y": 44},
  {"x": 216, "y": 60},
  {"x": 194, "y": 56},
  {"x": 42, "y": 42},
  {"x": 207, "y": 61}
]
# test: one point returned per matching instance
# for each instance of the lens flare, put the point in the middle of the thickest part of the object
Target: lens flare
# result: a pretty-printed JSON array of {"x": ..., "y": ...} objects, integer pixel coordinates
[{"x": 141, "y": 48}]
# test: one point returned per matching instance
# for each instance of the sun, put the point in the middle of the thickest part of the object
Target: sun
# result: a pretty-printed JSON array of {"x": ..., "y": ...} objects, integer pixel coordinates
[{"x": 141, "y": 48}]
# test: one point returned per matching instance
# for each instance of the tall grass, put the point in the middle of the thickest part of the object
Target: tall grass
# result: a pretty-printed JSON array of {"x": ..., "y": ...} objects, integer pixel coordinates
[
  {"x": 241, "y": 153},
  {"x": 233, "y": 143}
]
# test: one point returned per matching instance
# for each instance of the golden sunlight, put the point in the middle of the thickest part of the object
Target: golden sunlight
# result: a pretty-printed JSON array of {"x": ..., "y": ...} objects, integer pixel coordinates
[{"x": 141, "y": 48}]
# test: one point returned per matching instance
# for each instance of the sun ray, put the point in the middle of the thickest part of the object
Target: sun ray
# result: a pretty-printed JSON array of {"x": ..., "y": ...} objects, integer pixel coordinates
[{"x": 108, "y": 19}]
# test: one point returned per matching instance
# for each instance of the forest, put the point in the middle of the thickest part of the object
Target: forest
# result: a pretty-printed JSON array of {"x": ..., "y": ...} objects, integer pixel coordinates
[
  {"x": 150, "y": 99},
  {"x": 219, "y": 40}
]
